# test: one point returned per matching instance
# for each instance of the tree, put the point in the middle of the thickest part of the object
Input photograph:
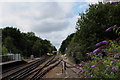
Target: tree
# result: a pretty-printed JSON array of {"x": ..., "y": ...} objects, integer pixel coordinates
[
  {"x": 65, "y": 43},
  {"x": 24, "y": 43},
  {"x": 37, "y": 48},
  {"x": 9, "y": 44},
  {"x": 91, "y": 28},
  {"x": 30, "y": 34},
  {"x": 53, "y": 50},
  {"x": 4, "y": 50}
]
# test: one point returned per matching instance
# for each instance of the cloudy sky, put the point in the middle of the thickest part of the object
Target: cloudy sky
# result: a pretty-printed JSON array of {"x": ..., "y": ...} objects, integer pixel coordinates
[{"x": 53, "y": 20}]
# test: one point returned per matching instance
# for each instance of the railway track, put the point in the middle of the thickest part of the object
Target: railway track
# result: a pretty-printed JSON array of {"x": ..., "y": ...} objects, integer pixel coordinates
[
  {"x": 45, "y": 68},
  {"x": 16, "y": 68},
  {"x": 35, "y": 70},
  {"x": 5, "y": 71}
]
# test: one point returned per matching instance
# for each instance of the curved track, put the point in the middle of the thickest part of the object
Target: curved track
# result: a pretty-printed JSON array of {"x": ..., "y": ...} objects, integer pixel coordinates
[{"x": 34, "y": 70}]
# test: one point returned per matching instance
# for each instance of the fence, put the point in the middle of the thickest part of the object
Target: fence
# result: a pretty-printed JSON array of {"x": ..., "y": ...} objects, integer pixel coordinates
[{"x": 10, "y": 57}]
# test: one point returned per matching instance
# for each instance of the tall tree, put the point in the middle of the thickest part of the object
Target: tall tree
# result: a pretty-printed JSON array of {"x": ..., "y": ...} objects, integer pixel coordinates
[
  {"x": 24, "y": 43},
  {"x": 9, "y": 44},
  {"x": 91, "y": 28},
  {"x": 65, "y": 43}
]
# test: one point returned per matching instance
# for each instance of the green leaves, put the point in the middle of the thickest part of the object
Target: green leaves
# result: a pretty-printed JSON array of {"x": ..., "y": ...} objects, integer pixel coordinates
[
  {"x": 24, "y": 43},
  {"x": 117, "y": 31},
  {"x": 4, "y": 50},
  {"x": 65, "y": 43},
  {"x": 91, "y": 29}
]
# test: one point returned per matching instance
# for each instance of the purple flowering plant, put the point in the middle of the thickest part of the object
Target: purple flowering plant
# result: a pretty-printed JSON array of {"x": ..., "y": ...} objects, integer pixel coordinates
[
  {"x": 115, "y": 2},
  {"x": 98, "y": 50},
  {"x": 93, "y": 66},
  {"x": 114, "y": 68},
  {"x": 103, "y": 67},
  {"x": 110, "y": 28},
  {"x": 114, "y": 28},
  {"x": 102, "y": 42}
]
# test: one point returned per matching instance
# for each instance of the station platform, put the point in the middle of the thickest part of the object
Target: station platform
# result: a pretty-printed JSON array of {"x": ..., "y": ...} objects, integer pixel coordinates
[
  {"x": 11, "y": 64},
  {"x": 3, "y": 63}
]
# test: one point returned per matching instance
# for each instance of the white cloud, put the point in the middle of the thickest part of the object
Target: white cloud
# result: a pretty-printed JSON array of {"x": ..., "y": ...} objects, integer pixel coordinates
[
  {"x": 39, "y": 15},
  {"x": 83, "y": 6},
  {"x": 89, "y": 1},
  {"x": 41, "y": 0},
  {"x": 48, "y": 20},
  {"x": 93, "y": 1},
  {"x": 57, "y": 37}
]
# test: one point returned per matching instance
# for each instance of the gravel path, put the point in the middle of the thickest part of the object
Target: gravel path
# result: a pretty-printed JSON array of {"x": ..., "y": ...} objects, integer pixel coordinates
[{"x": 58, "y": 72}]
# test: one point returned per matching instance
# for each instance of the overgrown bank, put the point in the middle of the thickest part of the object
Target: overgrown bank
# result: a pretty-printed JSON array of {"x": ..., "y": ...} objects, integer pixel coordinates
[{"x": 91, "y": 30}]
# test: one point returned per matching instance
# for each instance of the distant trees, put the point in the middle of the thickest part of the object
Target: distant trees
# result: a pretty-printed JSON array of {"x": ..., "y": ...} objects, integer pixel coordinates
[
  {"x": 65, "y": 43},
  {"x": 8, "y": 42},
  {"x": 91, "y": 29},
  {"x": 14, "y": 41},
  {"x": 11, "y": 39},
  {"x": 4, "y": 50}
]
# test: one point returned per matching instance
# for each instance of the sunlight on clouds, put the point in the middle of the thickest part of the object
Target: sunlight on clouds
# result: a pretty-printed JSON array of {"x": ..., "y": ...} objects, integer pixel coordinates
[
  {"x": 93, "y": 1},
  {"x": 53, "y": 21},
  {"x": 58, "y": 36},
  {"x": 89, "y": 1},
  {"x": 48, "y": 20}
]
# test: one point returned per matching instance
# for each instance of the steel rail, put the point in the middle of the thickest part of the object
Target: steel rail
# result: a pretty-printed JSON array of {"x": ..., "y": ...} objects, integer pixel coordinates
[
  {"x": 22, "y": 71},
  {"x": 48, "y": 63}
]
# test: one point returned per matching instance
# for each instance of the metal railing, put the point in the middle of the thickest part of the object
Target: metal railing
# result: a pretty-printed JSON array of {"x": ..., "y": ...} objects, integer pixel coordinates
[{"x": 10, "y": 57}]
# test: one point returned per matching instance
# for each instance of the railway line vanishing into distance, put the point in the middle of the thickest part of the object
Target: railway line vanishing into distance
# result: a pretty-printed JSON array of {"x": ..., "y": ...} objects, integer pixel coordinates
[
  {"x": 32, "y": 71},
  {"x": 38, "y": 68}
]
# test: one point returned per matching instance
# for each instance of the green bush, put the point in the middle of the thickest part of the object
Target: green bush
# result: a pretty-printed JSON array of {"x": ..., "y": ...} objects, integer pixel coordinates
[
  {"x": 107, "y": 66},
  {"x": 90, "y": 28}
]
